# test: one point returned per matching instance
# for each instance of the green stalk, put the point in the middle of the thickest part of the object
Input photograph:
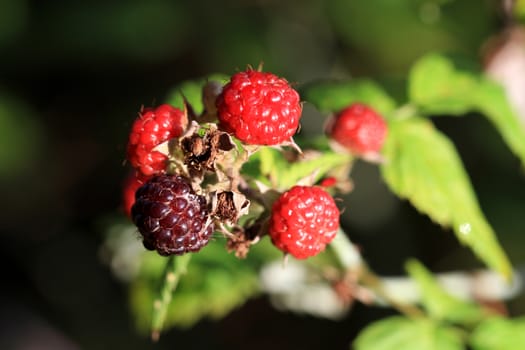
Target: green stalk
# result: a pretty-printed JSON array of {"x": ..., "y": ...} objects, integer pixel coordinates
[{"x": 175, "y": 268}]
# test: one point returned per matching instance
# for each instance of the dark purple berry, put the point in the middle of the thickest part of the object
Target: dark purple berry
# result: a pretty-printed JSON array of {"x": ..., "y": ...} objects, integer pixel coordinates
[{"x": 170, "y": 216}]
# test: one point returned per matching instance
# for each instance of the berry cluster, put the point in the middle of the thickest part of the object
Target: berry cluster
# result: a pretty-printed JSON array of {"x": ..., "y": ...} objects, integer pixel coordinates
[{"x": 178, "y": 195}]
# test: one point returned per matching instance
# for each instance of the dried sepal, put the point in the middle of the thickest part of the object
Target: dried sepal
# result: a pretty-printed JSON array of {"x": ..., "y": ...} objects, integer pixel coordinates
[
  {"x": 229, "y": 206},
  {"x": 242, "y": 239},
  {"x": 201, "y": 152}
]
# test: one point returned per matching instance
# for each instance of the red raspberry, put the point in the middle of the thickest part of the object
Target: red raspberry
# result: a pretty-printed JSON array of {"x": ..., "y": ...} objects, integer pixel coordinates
[
  {"x": 150, "y": 129},
  {"x": 328, "y": 182},
  {"x": 359, "y": 129},
  {"x": 259, "y": 108},
  {"x": 131, "y": 185},
  {"x": 170, "y": 216},
  {"x": 304, "y": 220}
]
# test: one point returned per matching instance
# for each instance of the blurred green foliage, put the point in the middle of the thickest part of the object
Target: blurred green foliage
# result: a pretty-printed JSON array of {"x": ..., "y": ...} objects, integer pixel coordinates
[
  {"x": 13, "y": 19},
  {"x": 21, "y": 137},
  {"x": 124, "y": 29},
  {"x": 333, "y": 96},
  {"x": 190, "y": 92},
  {"x": 499, "y": 333},
  {"x": 390, "y": 35},
  {"x": 439, "y": 304},
  {"x": 73, "y": 75},
  {"x": 412, "y": 334},
  {"x": 216, "y": 283}
]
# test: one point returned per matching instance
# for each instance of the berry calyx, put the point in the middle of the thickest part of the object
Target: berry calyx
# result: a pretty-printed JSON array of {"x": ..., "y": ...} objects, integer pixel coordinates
[
  {"x": 359, "y": 129},
  {"x": 170, "y": 216},
  {"x": 259, "y": 108},
  {"x": 304, "y": 220},
  {"x": 153, "y": 127}
]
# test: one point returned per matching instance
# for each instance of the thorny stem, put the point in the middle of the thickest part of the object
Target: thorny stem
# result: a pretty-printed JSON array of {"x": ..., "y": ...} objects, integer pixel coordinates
[
  {"x": 175, "y": 268},
  {"x": 371, "y": 281},
  {"x": 396, "y": 292},
  {"x": 351, "y": 259}
]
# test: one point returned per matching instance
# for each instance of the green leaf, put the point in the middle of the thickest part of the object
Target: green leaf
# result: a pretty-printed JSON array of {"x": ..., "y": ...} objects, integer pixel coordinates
[
  {"x": 422, "y": 165},
  {"x": 272, "y": 163},
  {"x": 321, "y": 164},
  {"x": 283, "y": 175},
  {"x": 490, "y": 99},
  {"x": 499, "y": 334},
  {"x": 440, "y": 304},
  {"x": 398, "y": 332},
  {"x": 332, "y": 96},
  {"x": 215, "y": 283},
  {"x": 436, "y": 86},
  {"x": 192, "y": 91}
]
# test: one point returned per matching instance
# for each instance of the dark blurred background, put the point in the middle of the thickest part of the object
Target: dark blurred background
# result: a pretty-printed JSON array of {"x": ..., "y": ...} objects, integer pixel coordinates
[{"x": 73, "y": 76}]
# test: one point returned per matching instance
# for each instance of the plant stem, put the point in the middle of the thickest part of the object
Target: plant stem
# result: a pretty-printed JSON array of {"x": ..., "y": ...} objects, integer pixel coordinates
[
  {"x": 346, "y": 251},
  {"x": 405, "y": 111},
  {"x": 175, "y": 268},
  {"x": 351, "y": 259},
  {"x": 373, "y": 282}
]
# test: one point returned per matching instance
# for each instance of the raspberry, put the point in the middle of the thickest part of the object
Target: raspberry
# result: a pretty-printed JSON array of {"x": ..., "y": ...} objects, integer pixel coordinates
[
  {"x": 304, "y": 220},
  {"x": 328, "y": 182},
  {"x": 259, "y": 108},
  {"x": 359, "y": 129},
  {"x": 150, "y": 129},
  {"x": 131, "y": 185},
  {"x": 170, "y": 216}
]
